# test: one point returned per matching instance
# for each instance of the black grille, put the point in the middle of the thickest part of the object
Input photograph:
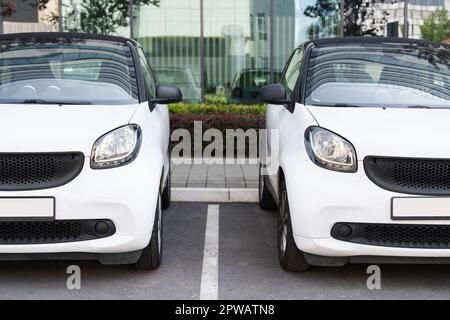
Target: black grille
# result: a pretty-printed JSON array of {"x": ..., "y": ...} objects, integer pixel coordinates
[
  {"x": 42, "y": 232},
  {"x": 20, "y": 172},
  {"x": 410, "y": 176},
  {"x": 394, "y": 235}
]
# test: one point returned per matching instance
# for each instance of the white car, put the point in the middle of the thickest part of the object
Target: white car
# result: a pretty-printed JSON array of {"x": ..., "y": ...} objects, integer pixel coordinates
[
  {"x": 362, "y": 170},
  {"x": 84, "y": 150}
]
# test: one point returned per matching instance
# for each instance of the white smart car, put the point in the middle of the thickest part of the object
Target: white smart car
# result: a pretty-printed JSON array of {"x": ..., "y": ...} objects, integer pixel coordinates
[
  {"x": 84, "y": 150},
  {"x": 362, "y": 170}
]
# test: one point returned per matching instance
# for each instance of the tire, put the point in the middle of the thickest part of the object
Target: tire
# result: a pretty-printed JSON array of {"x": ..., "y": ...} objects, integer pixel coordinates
[
  {"x": 266, "y": 200},
  {"x": 151, "y": 256},
  {"x": 167, "y": 193},
  {"x": 290, "y": 257}
]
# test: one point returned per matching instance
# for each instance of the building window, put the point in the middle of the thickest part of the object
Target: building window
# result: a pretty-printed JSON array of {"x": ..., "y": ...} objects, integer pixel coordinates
[{"x": 262, "y": 26}]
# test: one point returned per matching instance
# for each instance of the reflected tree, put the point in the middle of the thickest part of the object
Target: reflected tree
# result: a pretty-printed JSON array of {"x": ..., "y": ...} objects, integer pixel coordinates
[
  {"x": 9, "y": 7},
  {"x": 361, "y": 17},
  {"x": 326, "y": 13},
  {"x": 100, "y": 16},
  {"x": 437, "y": 26}
]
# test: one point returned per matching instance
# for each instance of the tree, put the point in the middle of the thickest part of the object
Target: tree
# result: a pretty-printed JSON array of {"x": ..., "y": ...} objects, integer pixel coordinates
[
  {"x": 361, "y": 17},
  {"x": 101, "y": 16},
  {"x": 8, "y": 8},
  {"x": 437, "y": 26},
  {"x": 327, "y": 14}
]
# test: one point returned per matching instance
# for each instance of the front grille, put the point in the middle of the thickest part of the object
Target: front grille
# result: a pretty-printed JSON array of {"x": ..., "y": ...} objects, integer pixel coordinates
[
  {"x": 26, "y": 171},
  {"x": 44, "y": 232},
  {"x": 394, "y": 235},
  {"x": 410, "y": 175}
]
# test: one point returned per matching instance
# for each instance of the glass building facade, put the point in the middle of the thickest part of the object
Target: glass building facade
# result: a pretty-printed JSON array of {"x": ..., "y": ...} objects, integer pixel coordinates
[
  {"x": 225, "y": 51},
  {"x": 29, "y": 16}
]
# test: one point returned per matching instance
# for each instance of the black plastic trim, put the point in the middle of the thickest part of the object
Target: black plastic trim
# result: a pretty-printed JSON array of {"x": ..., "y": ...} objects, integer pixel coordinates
[
  {"x": 324, "y": 261},
  {"x": 359, "y": 235},
  {"x": 378, "y": 40},
  {"x": 384, "y": 187},
  {"x": 304, "y": 72},
  {"x": 103, "y": 258},
  {"x": 50, "y": 186},
  {"x": 36, "y": 237},
  {"x": 63, "y": 35},
  {"x": 142, "y": 91}
]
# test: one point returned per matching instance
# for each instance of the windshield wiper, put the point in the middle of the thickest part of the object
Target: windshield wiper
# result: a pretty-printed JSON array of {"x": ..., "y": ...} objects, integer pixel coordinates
[
  {"x": 419, "y": 107},
  {"x": 341, "y": 105},
  {"x": 41, "y": 101}
]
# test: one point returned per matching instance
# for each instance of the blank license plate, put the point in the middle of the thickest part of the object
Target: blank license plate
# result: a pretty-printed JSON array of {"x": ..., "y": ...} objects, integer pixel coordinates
[
  {"x": 421, "y": 208},
  {"x": 32, "y": 208}
]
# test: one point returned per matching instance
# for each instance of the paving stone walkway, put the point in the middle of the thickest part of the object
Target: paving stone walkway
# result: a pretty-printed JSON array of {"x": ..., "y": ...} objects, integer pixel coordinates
[{"x": 215, "y": 176}]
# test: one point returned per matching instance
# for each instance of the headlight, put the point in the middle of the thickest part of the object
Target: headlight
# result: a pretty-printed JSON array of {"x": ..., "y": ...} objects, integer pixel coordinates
[
  {"x": 116, "y": 148},
  {"x": 330, "y": 151}
]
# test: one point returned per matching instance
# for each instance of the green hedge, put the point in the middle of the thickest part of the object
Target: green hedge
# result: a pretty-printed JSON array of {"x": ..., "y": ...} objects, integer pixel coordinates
[
  {"x": 209, "y": 109},
  {"x": 217, "y": 116}
]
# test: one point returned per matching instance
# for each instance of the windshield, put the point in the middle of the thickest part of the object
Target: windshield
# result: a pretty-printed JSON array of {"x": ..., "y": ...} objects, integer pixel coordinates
[
  {"x": 379, "y": 76},
  {"x": 67, "y": 71}
]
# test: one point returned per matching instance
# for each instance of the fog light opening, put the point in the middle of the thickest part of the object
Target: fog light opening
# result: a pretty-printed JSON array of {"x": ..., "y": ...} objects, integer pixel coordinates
[
  {"x": 345, "y": 231},
  {"x": 102, "y": 228}
]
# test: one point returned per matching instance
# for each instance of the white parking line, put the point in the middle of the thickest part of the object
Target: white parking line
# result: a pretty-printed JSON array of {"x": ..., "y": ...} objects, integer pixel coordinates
[{"x": 209, "y": 289}]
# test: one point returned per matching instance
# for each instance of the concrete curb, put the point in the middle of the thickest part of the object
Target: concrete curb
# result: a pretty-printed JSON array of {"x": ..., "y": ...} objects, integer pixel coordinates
[{"x": 220, "y": 195}]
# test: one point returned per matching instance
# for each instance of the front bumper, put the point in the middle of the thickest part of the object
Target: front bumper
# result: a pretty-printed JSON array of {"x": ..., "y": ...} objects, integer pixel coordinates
[
  {"x": 126, "y": 195},
  {"x": 320, "y": 198}
]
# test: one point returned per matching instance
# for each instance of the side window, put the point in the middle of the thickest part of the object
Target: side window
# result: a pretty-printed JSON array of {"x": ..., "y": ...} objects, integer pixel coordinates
[
  {"x": 292, "y": 73},
  {"x": 149, "y": 80}
]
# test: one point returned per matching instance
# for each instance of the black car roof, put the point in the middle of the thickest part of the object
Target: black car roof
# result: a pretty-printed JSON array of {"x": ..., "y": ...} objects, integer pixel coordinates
[
  {"x": 63, "y": 35},
  {"x": 379, "y": 40}
]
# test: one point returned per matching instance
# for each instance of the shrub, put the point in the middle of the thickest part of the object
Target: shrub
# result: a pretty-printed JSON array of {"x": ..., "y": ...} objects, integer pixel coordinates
[
  {"x": 218, "y": 121},
  {"x": 203, "y": 109},
  {"x": 217, "y": 116}
]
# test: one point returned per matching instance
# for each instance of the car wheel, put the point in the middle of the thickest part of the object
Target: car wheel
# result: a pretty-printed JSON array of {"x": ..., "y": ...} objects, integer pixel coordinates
[
  {"x": 151, "y": 256},
  {"x": 291, "y": 258},
  {"x": 266, "y": 200},
  {"x": 167, "y": 194}
]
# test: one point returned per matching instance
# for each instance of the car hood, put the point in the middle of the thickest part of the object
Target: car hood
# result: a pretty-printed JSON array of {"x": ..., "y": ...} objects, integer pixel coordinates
[
  {"x": 49, "y": 128},
  {"x": 395, "y": 132}
]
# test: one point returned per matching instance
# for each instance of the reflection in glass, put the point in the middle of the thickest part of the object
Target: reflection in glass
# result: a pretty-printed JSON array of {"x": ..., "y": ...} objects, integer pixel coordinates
[
  {"x": 106, "y": 17},
  {"x": 30, "y": 15},
  {"x": 379, "y": 76},
  {"x": 247, "y": 83},
  {"x": 78, "y": 72},
  {"x": 297, "y": 21},
  {"x": 429, "y": 19},
  {"x": 237, "y": 40},
  {"x": 182, "y": 78},
  {"x": 170, "y": 36},
  {"x": 374, "y": 18}
]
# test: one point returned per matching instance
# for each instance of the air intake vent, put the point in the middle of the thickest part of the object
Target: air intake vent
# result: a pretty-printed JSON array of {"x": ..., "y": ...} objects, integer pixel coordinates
[
  {"x": 24, "y": 171},
  {"x": 42, "y": 232},
  {"x": 410, "y": 176}
]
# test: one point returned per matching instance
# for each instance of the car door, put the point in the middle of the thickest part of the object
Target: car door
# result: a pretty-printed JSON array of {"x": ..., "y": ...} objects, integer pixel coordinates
[{"x": 277, "y": 116}]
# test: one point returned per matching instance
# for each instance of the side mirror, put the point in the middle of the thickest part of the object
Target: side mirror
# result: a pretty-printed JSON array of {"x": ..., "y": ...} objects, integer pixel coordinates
[
  {"x": 166, "y": 94},
  {"x": 237, "y": 93},
  {"x": 273, "y": 94}
]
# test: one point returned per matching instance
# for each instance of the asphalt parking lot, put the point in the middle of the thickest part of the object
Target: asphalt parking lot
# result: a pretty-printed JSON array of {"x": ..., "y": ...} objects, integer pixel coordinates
[{"x": 247, "y": 267}]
